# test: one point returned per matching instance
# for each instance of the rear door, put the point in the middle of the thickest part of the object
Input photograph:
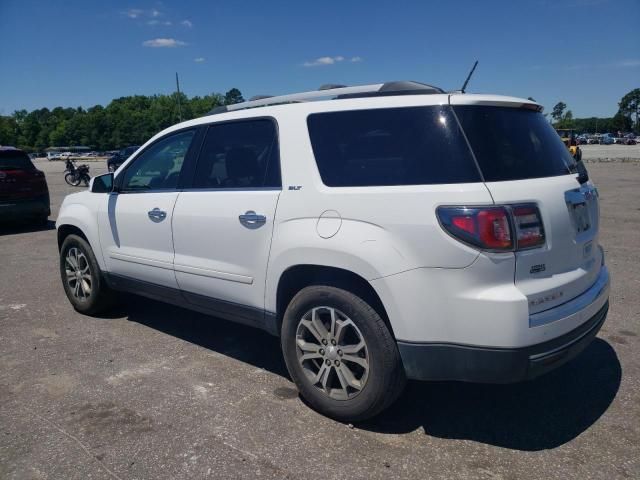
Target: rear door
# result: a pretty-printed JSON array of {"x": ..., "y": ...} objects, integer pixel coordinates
[
  {"x": 523, "y": 160},
  {"x": 223, "y": 222}
]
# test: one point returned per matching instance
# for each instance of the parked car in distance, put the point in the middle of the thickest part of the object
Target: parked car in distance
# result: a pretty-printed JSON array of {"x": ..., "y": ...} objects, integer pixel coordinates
[
  {"x": 607, "y": 139},
  {"x": 24, "y": 194},
  {"x": 392, "y": 231},
  {"x": 119, "y": 157}
]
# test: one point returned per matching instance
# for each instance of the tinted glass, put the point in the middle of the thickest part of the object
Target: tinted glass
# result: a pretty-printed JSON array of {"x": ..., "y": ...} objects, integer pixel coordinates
[
  {"x": 514, "y": 143},
  {"x": 391, "y": 146},
  {"x": 239, "y": 155},
  {"x": 10, "y": 160},
  {"x": 159, "y": 166}
]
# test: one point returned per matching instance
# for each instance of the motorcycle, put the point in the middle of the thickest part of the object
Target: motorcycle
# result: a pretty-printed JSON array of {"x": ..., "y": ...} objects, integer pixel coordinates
[{"x": 74, "y": 175}]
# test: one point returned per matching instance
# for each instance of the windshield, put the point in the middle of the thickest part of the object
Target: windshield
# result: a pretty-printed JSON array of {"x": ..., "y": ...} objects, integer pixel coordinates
[
  {"x": 514, "y": 143},
  {"x": 15, "y": 161}
]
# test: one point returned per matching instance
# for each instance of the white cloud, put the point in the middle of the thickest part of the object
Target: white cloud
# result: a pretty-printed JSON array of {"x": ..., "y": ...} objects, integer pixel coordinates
[
  {"x": 153, "y": 22},
  {"x": 356, "y": 59},
  {"x": 323, "y": 61},
  {"x": 628, "y": 63},
  {"x": 186, "y": 23},
  {"x": 199, "y": 59},
  {"x": 164, "y": 43},
  {"x": 133, "y": 12},
  {"x": 155, "y": 13}
]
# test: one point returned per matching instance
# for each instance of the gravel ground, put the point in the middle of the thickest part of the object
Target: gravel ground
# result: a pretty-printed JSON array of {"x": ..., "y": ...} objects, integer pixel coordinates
[
  {"x": 610, "y": 152},
  {"x": 154, "y": 391}
]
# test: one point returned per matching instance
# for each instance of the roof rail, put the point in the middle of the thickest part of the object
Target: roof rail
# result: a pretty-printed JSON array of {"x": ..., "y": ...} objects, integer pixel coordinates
[{"x": 335, "y": 92}]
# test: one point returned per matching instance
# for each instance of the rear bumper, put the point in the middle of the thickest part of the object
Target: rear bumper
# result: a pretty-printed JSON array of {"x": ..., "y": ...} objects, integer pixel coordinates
[
  {"x": 439, "y": 361},
  {"x": 25, "y": 208}
]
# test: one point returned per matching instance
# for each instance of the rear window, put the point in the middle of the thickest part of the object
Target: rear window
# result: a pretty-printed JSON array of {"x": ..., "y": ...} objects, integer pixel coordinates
[
  {"x": 514, "y": 143},
  {"x": 10, "y": 160},
  {"x": 391, "y": 146}
]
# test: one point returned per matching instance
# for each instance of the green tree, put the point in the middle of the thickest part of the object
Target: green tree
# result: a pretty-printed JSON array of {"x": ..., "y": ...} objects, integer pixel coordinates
[
  {"x": 566, "y": 121},
  {"x": 558, "y": 111},
  {"x": 233, "y": 96},
  {"x": 630, "y": 105}
]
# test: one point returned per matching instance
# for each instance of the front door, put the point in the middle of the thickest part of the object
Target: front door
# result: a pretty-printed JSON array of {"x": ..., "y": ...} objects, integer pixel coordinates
[{"x": 135, "y": 222}]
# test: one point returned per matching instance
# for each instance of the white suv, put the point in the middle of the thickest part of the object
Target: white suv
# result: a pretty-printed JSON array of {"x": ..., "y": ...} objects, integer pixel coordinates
[{"x": 385, "y": 232}]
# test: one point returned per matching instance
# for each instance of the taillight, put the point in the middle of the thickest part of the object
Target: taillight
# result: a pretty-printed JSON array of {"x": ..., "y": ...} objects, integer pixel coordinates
[
  {"x": 529, "y": 228},
  {"x": 492, "y": 228}
]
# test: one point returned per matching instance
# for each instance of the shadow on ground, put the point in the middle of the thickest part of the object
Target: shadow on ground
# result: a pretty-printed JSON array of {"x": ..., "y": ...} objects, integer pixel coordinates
[
  {"x": 247, "y": 344},
  {"x": 15, "y": 228},
  {"x": 537, "y": 415},
  {"x": 541, "y": 414}
]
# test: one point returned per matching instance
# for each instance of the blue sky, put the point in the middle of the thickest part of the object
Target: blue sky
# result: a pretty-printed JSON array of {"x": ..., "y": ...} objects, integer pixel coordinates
[{"x": 82, "y": 53}]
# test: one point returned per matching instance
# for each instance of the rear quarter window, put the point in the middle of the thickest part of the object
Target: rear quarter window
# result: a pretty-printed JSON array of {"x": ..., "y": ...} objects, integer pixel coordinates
[
  {"x": 390, "y": 146},
  {"x": 15, "y": 160},
  {"x": 514, "y": 143}
]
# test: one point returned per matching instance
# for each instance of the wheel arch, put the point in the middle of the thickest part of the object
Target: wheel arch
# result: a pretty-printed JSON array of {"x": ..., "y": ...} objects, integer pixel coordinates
[
  {"x": 297, "y": 277},
  {"x": 77, "y": 219}
]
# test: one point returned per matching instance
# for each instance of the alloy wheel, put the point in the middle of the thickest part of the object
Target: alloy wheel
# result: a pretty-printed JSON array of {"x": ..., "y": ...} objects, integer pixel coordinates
[
  {"x": 78, "y": 272},
  {"x": 332, "y": 352}
]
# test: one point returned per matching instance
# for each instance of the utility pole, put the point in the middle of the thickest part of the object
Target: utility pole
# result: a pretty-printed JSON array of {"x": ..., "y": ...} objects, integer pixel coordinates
[{"x": 179, "y": 107}]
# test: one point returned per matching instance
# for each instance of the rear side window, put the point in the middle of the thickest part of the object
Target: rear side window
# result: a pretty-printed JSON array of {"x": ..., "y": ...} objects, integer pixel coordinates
[
  {"x": 12, "y": 160},
  {"x": 513, "y": 143},
  {"x": 390, "y": 146},
  {"x": 239, "y": 155}
]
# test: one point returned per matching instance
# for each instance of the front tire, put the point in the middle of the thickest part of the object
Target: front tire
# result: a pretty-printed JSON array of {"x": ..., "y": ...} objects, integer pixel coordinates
[
  {"x": 82, "y": 279},
  {"x": 341, "y": 354}
]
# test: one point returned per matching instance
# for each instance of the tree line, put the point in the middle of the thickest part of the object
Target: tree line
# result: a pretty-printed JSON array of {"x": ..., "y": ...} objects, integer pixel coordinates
[
  {"x": 133, "y": 120},
  {"x": 628, "y": 108},
  {"x": 125, "y": 121}
]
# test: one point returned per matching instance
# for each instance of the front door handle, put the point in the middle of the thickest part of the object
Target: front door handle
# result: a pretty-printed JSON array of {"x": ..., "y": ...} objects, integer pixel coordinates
[
  {"x": 157, "y": 215},
  {"x": 251, "y": 219}
]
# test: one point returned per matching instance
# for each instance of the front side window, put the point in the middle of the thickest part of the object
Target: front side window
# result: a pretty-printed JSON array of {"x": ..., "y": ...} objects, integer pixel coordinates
[
  {"x": 159, "y": 166},
  {"x": 390, "y": 146},
  {"x": 239, "y": 155}
]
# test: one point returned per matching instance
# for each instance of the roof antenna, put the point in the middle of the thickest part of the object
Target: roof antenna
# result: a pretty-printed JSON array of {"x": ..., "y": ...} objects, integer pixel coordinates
[{"x": 464, "y": 85}]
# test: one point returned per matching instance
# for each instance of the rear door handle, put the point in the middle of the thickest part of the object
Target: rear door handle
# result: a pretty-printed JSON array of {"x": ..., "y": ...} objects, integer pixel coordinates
[
  {"x": 157, "y": 215},
  {"x": 251, "y": 219}
]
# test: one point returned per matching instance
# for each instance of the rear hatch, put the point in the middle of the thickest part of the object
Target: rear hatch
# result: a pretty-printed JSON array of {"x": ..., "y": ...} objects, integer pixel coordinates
[
  {"x": 523, "y": 160},
  {"x": 19, "y": 178}
]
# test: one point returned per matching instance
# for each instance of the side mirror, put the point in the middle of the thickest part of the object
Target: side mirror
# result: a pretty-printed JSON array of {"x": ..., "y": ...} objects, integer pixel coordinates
[{"x": 102, "y": 183}]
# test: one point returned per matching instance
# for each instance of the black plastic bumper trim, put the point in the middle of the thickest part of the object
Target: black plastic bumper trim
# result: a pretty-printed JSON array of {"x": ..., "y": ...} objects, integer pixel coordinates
[{"x": 446, "y": 361}]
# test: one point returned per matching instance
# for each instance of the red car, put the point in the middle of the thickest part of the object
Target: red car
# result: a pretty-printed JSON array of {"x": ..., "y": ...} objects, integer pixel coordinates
[{"x": 24, "y": 194}]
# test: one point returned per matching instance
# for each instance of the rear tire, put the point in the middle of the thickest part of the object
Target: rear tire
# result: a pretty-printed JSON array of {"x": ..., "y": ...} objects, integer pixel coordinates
[
  {"x": 341, "y": 354},
  {"x": 82, "y": 278},
  {"x": 72, "y": 179}
]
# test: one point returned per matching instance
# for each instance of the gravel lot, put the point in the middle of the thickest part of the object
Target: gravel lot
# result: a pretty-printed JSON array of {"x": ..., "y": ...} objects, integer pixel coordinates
[
  {"x": 155, "y": 391},
  {"x": 610, "y": 152}
]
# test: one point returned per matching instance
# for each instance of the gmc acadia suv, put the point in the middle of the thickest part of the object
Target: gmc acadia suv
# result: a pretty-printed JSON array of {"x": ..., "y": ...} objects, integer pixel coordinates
[{"x": 384, "y": 232}]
